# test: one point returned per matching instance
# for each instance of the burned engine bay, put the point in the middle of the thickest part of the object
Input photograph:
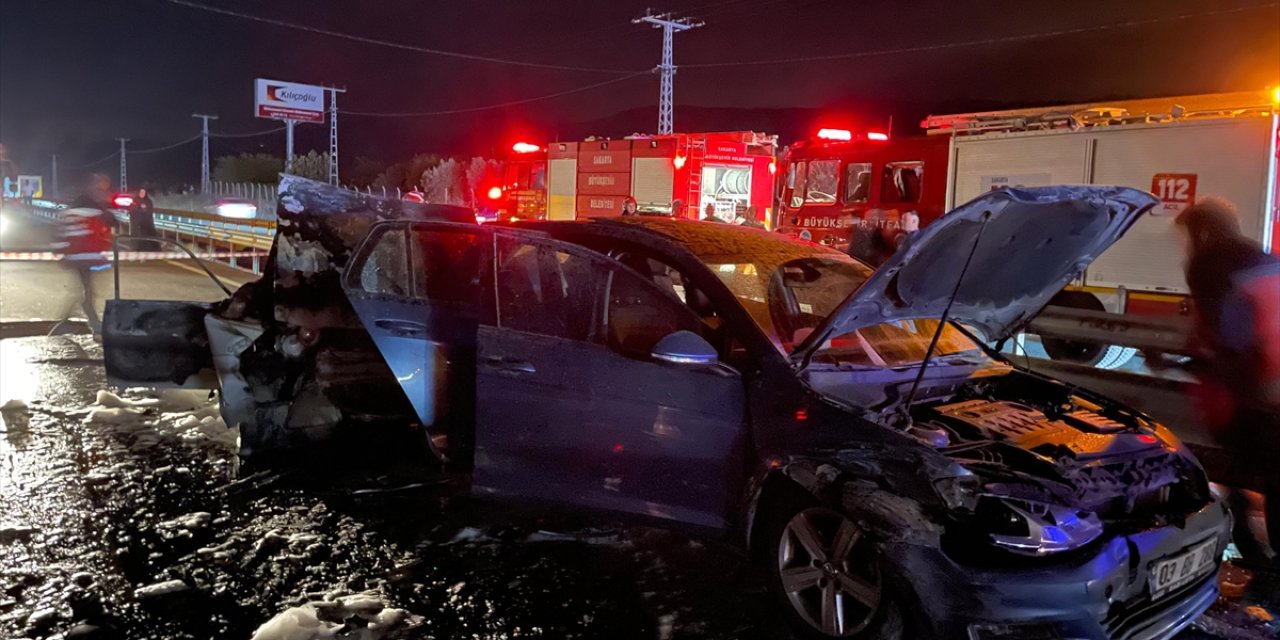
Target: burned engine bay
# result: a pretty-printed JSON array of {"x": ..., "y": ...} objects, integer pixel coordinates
[
  {"x": 1025, "y": 449},
  {"x": 1036, "y": 440}
]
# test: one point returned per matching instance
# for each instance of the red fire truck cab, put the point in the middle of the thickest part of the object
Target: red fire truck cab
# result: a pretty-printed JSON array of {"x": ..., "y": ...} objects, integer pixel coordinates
[
  {"x": 841, "y": 178},
  {"x": 523, "y": 194}
]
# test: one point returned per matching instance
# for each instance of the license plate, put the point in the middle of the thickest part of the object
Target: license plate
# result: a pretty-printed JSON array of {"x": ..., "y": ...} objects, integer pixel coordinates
[{"x": 1180, "y": 570}]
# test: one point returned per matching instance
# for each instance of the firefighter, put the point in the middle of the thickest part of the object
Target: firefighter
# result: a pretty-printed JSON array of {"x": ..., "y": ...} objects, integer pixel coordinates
[
  {"x": 1235, "y": 286},
  {"x": 86, "y": 229},
  {"x": 630, "y": 207}
]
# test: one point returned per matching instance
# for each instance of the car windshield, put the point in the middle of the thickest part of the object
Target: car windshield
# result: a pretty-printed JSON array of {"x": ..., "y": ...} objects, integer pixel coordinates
[{"x": 789, "y": 288}]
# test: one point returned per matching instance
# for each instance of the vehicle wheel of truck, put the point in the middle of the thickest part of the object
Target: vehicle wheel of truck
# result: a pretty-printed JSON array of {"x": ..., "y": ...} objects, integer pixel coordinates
[
  {"x": 1109, "y": 356},
  {"x": 828, "y": 576}
]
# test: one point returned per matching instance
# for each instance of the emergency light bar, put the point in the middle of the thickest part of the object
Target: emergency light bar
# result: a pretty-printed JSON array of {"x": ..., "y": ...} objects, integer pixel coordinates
[
  {"x": 843, "y": 135},
  {"x": 525, "y": 147},
  {"x": 876, "y": 135},
  {"x": 122, "y": 201}
]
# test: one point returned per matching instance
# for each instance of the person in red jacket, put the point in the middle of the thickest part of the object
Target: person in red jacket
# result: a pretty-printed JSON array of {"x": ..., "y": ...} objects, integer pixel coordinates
[
  {"x": 1235, "y": 286},
  {"x": 87, "y": 228}
]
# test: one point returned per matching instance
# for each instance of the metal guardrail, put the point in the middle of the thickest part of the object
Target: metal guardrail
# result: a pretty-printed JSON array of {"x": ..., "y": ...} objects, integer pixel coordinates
[
  {"x": 1146, "y": 333},
  {"x": 1166, "y": 334},
  {"x": 202, "y": 231}
]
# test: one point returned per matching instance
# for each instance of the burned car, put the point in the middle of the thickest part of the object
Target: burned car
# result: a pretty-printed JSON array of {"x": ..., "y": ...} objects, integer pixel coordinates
[{"x": 892, "y": 473}]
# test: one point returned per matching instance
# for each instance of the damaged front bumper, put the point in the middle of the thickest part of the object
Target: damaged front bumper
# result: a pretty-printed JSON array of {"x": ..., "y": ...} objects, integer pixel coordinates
[{"x": 1103, "y": 594}]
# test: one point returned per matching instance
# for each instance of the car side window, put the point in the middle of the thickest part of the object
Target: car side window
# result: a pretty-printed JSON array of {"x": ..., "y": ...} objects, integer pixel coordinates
[
  {"x": 545, "y": 289},
  {"x": 446, "y": 264},
  {"x": 386, "y": 266},
  {"x": 639, "y": 314}
]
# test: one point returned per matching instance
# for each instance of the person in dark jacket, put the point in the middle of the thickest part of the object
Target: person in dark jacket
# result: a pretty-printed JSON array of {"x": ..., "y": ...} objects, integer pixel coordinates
[
  {"x": 1235, "y": 287},
  {"x": 142, "y": 221}
]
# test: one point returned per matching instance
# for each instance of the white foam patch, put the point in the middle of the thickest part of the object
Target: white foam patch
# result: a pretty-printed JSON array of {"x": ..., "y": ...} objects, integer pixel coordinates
[
  {"x": 152, "y": 416},
  {"x": 363, "y": 616},
  {"x": 14, "y": 404}
]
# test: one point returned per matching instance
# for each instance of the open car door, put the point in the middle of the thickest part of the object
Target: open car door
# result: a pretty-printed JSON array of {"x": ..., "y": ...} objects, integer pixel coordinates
[
  {"x": 157, "y": 344},
  {"x": 577, "y": 407},
  {"x": 415, "y": 287}
]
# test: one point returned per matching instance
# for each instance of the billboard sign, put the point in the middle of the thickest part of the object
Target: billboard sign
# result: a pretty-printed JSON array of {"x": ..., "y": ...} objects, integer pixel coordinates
[{"x": 288, "y": 101}]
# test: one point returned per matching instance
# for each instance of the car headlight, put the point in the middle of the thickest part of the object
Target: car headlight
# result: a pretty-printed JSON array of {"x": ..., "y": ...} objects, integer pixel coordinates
[{"x": 1035, "y": 528}]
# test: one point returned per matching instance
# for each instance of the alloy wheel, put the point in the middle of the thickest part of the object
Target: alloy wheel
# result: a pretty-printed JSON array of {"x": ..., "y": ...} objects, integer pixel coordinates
[{"x": 829, "y": 572}]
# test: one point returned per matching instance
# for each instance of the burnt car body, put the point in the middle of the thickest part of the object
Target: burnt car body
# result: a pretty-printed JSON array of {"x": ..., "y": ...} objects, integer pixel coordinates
[{"x": 876, "y": 461}]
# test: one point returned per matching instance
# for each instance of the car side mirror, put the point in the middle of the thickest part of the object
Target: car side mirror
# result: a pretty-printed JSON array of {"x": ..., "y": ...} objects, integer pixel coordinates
[{"x": 684, "y": 348}]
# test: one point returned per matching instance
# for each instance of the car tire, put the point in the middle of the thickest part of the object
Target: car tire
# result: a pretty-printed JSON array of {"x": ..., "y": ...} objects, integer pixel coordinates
[{"x": 874, "y": 613}]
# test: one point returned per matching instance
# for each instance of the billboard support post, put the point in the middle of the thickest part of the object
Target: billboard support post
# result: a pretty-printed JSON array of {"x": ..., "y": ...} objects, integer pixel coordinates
[{"x": 288, "y": 145}]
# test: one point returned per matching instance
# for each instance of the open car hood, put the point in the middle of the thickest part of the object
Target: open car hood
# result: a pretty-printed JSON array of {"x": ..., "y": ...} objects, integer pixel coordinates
[{"x": 1030, "y": 244}]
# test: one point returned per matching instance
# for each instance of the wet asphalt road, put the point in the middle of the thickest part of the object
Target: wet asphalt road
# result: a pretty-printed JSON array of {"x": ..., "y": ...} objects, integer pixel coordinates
[{"x": 138, "y": 522}]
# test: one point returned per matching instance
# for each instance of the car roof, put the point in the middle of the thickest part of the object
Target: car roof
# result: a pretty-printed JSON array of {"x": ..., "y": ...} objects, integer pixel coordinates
[{"x": 698, "y": 237}]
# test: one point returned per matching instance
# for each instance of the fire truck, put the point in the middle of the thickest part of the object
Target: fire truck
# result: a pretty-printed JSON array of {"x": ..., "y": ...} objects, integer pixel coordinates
[
  {"x": 840, "y": 179},
  {"x": 679, "y": 174},
  {"x": 1179, "y": 148}
]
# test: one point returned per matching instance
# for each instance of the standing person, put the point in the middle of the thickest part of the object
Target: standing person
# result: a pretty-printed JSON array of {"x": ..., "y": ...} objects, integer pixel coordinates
[
  {"x": 908, "y": 227},
  {"x": 142, "y": 221},
  {"x": 710, "y": 211},
  {"x": 629, "y": 207},
  {"x": 748, "y": 218},
  {"x": 1236, "y": 290},
  {"x": 86, "y": 229}
]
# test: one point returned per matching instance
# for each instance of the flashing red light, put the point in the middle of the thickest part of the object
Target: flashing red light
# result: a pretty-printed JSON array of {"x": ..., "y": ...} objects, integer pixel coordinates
[
  {"x": 525, "y": 147},
  {"x": 678, "y": 161},
  {"x": 801, "y": 415},
  {"x": 876, "y": 135},
  {"x": 843, "y": 135},
  {"x": 495, "y": 193},
  {"x": 773, "y": 167},
  {"x": 617, "y": 448},
  {"x": 1147, "y": 438},
  {"x": 122, "y": 201},
  {"x": 414, "y": 196}
]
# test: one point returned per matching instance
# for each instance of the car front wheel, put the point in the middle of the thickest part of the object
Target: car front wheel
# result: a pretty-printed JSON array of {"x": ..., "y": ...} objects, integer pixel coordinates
[{"x": 828, "y": 574}]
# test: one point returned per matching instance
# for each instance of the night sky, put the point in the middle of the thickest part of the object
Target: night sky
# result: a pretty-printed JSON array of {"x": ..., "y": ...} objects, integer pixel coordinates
[{"x": 74, "y": 74}]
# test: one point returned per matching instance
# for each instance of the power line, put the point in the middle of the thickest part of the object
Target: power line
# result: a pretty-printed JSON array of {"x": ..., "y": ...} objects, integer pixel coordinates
[
  {"x": 98, "y": 161},
  {"x": 975, "y": 43},
  {"x": 246, "y": 135},
  {"x": 395, "y": 45},
  {"x": 500, "y": 105},
  {"x": 166, "y": 147}
]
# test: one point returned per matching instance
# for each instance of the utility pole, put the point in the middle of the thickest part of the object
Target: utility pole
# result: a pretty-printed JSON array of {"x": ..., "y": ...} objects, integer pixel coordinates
[
  {"x": 288, "y": 145},
  {"x": 124, "y": 173},
  {"x": 333, "y": 133},
  {"x": 204, "y": 150},
  {"x": 53, "y": 187},
  {"x": 669, "y": 25}
]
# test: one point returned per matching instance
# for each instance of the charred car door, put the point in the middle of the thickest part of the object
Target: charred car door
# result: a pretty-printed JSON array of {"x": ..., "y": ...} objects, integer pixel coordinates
[
  {"x": 157, "y": 344},
  {"x": 415, "y": 288},
  {"x": 573, "y": 407}
]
